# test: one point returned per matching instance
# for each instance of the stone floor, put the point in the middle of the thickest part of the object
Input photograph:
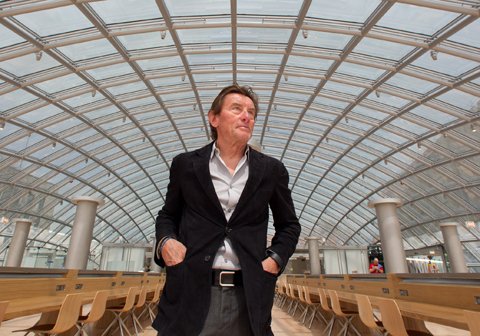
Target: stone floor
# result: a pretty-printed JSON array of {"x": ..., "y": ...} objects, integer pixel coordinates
[{"x": 282, "y": 325}]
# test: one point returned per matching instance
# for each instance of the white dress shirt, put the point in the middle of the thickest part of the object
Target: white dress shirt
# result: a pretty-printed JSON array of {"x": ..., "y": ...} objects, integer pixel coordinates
[{"x": 228, "y": 188}]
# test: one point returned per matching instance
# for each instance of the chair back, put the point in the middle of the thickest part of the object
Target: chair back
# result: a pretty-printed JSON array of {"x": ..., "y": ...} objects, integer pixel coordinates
[
  {"x": 142, "y": 297},
  {"x": 306, "y": 292},
  {"x": 323, "y": 299},
  {"x": 156, "y": 294},
  {"x": 130, "y": 299},
  {"x": 391, "y": 317},
  {"x": 473, "y": 321},
  {"x": 300, "y": 293},
  {"x": 291, "y": 292},
  {"x": 3, "y": 309},
  {"x": 365, "y": 311},
  {"x": 335, "y": 302},
  {"x": 98, "y": 306},
  {"x": 68, "y": 314}
]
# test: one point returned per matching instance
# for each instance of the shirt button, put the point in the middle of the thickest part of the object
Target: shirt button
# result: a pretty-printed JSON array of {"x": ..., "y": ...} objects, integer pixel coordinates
[{"x": 207, "y": 258}]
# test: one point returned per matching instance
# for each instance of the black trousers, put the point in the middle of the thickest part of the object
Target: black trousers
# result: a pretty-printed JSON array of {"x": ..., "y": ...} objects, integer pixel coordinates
[{"x": 227, "y": 315}]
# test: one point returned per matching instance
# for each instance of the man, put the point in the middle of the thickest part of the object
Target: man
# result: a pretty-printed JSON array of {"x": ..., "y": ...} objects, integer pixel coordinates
[
  {"x": 375, "y": 267},
  {"x": 211, "y": 233}
]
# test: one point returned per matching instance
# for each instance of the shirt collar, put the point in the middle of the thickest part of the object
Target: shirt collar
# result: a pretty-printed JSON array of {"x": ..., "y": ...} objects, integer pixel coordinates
[{"x": 216, "y": 151}]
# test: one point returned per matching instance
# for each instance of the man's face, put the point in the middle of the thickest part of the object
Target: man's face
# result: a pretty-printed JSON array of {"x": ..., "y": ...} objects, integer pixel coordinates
[
  {"x": 236, "y": 120},
  {"x": 375, "y": 262}
]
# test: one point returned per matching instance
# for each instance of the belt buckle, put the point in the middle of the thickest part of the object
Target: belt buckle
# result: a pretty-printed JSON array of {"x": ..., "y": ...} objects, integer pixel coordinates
[{"x": 220, "y": 279}]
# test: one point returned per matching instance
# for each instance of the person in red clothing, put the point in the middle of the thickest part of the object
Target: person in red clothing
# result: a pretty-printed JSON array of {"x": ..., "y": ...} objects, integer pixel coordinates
[{"x": 375, "y": 267}]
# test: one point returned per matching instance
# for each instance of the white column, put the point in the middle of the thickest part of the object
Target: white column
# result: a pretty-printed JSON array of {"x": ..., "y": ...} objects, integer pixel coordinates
[
  {"x": 82, "y": 232},
  {"x": 18, "y": 242},
  {"x": 390, "y": 235},
  {"x": 314, "y": 255},
  {"x": 454, "y": 248}
]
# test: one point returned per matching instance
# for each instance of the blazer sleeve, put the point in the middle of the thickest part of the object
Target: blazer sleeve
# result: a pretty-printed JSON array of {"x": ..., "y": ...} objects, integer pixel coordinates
[
  {"x": 168, "y": 219},
  {"x": 285, "y": 221}
]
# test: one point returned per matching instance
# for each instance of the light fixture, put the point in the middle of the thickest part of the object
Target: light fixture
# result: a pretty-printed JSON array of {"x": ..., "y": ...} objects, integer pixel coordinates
[
  {"x": 124, "y": 119},
  {"x": 472, "y": 126},
  {"x": 377, "y": 93},
  {"x": 86, "y": 160},
  {"x": 38, "y": 55},
  {"x": 143, "y": 139},
  {"x": 275, "y": 107},
  {"x": 385, "y": 161},
  {"x": 183, "y": 78},
  {"x": 346, "y": 120},
  {"x": 4, "y": 220},
  {"x": 2, "y": 125},
  {"x": 286, "y": 78},
  {"x": 434, "y": 54},
  {"x": 108, "y": 174},
  {"x": 94, "y": 93},
  {"x": 54, "y": 144},
  {"x": 305, "y": 33},
  {"x": 194, "y": 107},
  {"x": 163, "y": 34},
  {"x": 470, "y": 224},
  {"x": 419, "y": 145},
  {"x": 326, "y": 139}
]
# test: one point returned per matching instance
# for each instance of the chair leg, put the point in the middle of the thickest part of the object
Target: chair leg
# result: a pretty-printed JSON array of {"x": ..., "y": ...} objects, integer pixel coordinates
[{"x": 329, "y": 326}]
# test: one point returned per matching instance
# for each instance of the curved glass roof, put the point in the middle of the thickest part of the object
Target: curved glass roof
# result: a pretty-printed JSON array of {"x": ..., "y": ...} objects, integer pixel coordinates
[{"x": 359, "y": 99}]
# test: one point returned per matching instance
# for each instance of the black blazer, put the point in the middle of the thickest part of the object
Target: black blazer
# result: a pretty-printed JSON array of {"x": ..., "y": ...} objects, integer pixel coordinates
[{"x": 192, "y": 213}]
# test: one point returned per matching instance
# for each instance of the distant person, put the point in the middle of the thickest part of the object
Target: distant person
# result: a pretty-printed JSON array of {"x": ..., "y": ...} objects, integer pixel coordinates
[
  {"x": 432, "y": 267},
  {"x": 375, "y": 267}
]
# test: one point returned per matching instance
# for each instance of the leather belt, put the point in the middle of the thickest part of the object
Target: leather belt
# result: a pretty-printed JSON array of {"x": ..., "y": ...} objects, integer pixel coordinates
[{"x": 226, "y": 278}]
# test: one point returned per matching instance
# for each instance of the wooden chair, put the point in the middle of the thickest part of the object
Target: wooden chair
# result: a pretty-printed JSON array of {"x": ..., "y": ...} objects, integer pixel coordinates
[
  {"x": 292, "y": 308},
  {"x": 151, "y": 303},
  {"x": 324, "y": 304},
  {"x": 66, "y": 319},
  {"x": 347, "y": 315},
  {"x": 302, "y": 302},
  {"x": 365, "y": 311},
  {"x": 96, "y": 311},
  {"x": 473, "y": 321},
  {"x": 142, "y": 298},
  {"x": 119, "y": 310},
  {"x": 393, "y": 321},
  {"x": 314, "y": 306},
  {"x": 3, "y": 309}
]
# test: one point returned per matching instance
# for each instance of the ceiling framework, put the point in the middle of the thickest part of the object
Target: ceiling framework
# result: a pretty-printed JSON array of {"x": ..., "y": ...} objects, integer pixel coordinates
[{"x": 359, "y": 99}]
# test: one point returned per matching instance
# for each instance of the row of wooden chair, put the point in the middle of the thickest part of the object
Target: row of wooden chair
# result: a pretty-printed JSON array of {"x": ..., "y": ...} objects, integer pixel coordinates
[
  {"x": 391, "y": 322},
  {"x": 329, "y": 303},
  {"x": 69, "y": 315}
]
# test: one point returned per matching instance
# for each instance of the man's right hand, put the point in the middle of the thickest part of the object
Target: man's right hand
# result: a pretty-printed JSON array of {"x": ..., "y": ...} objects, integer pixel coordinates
[{"x": 173, "y": 252}]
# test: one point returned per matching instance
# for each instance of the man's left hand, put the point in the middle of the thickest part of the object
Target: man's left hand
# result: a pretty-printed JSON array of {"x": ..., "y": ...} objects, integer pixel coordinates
[{"x": 270, "y": 266}]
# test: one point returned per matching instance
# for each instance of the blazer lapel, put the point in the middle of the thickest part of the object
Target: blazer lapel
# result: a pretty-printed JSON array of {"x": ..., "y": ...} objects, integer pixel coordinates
[
  {"x": 256, "y": 171},
  {"x": 202, "y": 170}
]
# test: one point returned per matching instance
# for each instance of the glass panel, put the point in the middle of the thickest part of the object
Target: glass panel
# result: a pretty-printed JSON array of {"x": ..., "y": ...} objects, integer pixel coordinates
[
  {"x": 422, "y": 20},
  {"x": 126, "y": 10},
  {"x": 55, "y": 21}
]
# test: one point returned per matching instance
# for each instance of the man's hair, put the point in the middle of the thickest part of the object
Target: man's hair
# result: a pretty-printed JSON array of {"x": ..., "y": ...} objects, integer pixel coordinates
[{"x": 218, "y": 102}]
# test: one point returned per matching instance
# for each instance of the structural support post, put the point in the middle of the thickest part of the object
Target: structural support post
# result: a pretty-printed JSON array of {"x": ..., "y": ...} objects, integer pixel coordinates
[
  {"x": 18, "y": 242},
  {"x": 82, "y": 232},
  {"x": 314, "y": 255},
  {"x": 454, "y": 248},
  {"x": 390, "y": 235}
]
